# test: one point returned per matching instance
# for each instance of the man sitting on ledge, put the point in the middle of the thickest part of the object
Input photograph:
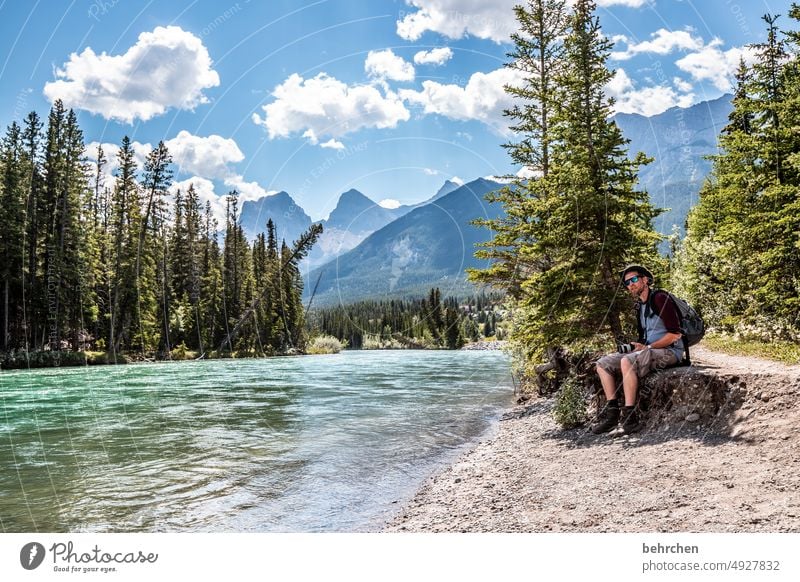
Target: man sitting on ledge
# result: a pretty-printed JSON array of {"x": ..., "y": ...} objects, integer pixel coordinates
[{"x": 659, "y": 345}]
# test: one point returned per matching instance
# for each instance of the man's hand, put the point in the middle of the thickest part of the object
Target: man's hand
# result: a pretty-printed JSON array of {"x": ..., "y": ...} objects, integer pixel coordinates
[{"x": 638, "y": 347}]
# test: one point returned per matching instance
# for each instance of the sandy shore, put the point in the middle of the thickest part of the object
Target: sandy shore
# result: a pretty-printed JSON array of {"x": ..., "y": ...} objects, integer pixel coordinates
[{"x": 531, "y": 476}]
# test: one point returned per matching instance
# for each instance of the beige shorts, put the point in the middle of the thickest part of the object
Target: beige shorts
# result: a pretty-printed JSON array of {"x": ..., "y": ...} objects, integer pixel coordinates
[{"x": 644, "y": 361}]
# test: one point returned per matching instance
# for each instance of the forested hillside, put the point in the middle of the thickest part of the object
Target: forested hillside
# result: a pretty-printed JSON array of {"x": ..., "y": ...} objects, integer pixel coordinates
[{"x": 434, "y": 322}]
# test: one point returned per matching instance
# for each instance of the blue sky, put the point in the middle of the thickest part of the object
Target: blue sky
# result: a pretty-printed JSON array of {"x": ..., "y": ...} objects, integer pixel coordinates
[{"x": 317, "y": 97}]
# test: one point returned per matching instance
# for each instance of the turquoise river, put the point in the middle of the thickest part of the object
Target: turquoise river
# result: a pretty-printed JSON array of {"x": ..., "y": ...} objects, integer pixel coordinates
[{"x": 300, "y": 444}]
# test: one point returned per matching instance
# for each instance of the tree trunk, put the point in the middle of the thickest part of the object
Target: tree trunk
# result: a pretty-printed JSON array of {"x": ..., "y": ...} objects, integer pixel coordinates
[{"x": 5, "y": 316}]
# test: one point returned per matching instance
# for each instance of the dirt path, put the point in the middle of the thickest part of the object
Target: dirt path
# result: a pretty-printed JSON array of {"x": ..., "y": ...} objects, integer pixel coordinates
[{"x": 533, "y": 477}]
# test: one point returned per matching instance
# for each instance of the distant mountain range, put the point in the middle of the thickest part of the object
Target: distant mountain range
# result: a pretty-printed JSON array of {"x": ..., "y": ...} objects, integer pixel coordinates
[
  {"x": 430, "y": 246},
  {"x": 678, "y": 139},
  {"x": 367, "y": 250}
]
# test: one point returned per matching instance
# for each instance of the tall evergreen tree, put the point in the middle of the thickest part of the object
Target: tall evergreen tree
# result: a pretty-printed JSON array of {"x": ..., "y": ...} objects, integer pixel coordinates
[
  {"x": 126, "y": 224},
  {"x": 584, "y": 217},
  {"x": 537, "y": 57},
  {"x": 32, "y": 289},
  {"x": 741, "y": 255},
  {"x": 151, "y": 260},
  {"x": 211, "y": 302},
  {"x": 12, "y": 214}
]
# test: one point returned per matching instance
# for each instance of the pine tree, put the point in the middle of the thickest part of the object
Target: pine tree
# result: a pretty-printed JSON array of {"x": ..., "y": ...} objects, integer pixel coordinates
[
  {"x": 76, "y": 280},
  {"x": 585, "y": 219},
  {"x": 291, "y": 306},
  {"x": 151, "y": 253},
  {"x": 454, "y": 339},
  {"x": 98, "y": 250},
  {"x": 538, "y": 57},
  {"x": 744, "y": 230},
  {"x": 126, "y": 223},
  {"x": 54, "y": 189},
  {"x": 33, "y": 297},
  {"x": 12, "y": 220},
  {"x": 211, "y": 301}
]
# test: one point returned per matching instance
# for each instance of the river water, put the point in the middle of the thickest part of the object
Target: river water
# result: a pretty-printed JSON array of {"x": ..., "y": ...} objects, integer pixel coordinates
[{"x": 301, "y": 444}]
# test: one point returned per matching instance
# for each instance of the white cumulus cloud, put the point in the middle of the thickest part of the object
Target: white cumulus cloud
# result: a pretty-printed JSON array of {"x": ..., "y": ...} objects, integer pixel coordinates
[
  {"x": 166, "y": 68},
  {"x": 483, "y": 98},
  {"x": 714, "y": 65},
  {"x": 682, "y": 84},
  {"x": 332, "y": 144},
  {"x": 526, "y": 173},
  {"x": 110, "y": 151},
  {"x": 209, "y": 157},
  {"x": 628, "y": 3},
  {"x": 248, "y": 190},
  {"x": 488, "y": 19},
  {"x": 387, "y": 65},
  {"x": 646, "y": 100},
  {"x": 662, "y": 42},
  {"x": 205, "y": 193},
  {"x": 326, "y": 107},
  {"x": 437, "y": 56}
]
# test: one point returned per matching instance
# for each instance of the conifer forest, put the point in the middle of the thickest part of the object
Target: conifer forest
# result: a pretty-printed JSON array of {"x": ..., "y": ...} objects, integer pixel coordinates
[{"x": 120, "y": 266}]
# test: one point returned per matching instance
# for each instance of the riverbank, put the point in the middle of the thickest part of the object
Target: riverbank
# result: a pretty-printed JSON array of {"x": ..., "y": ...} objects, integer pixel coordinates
[
  {"x": 531, "y": 476},
  {"x": 20, "y": 360}
]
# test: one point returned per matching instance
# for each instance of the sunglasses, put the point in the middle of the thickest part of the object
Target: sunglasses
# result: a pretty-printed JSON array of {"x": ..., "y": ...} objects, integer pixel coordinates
[{"x": 634, "y": 279}]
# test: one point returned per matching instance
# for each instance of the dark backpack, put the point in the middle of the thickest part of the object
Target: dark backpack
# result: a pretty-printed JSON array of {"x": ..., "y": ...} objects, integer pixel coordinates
[{"x": 693, "y": 328}]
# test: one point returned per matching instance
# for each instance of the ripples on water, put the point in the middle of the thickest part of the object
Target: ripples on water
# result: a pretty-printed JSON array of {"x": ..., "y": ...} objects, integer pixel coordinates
[{"x": 319, "y": 443}]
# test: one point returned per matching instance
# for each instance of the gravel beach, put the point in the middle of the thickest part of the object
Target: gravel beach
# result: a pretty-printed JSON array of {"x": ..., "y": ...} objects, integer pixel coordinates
[{"x": 531, "y": 476}]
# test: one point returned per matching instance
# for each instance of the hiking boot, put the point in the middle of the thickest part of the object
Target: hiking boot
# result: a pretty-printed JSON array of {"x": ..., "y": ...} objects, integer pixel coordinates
[
  {"x": 631, "y": 421},
  {"x": 607, "y": 420}
]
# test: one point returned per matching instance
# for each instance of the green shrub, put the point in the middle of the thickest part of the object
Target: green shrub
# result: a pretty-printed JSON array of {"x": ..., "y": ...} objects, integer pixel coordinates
[
  {"x": 375, "y": 342},
  {"x": 179, "y": 352},
  {"x": 570, "y": 407},
  {"x": 324, "y": 344}
]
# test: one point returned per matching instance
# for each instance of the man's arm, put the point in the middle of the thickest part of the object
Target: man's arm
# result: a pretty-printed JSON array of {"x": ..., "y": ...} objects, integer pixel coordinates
[{"x": 667, "y": 340}]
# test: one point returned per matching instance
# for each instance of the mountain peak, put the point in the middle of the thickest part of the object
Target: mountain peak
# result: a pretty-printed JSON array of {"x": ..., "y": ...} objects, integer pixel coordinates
[
  {"x": 446, "y": 188},
  {"x": 353, "y": 194},
  {"x": 349, "y": 203},
  {"x": 356, "y": 213},
  {"x": 289, "y": 218}
]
